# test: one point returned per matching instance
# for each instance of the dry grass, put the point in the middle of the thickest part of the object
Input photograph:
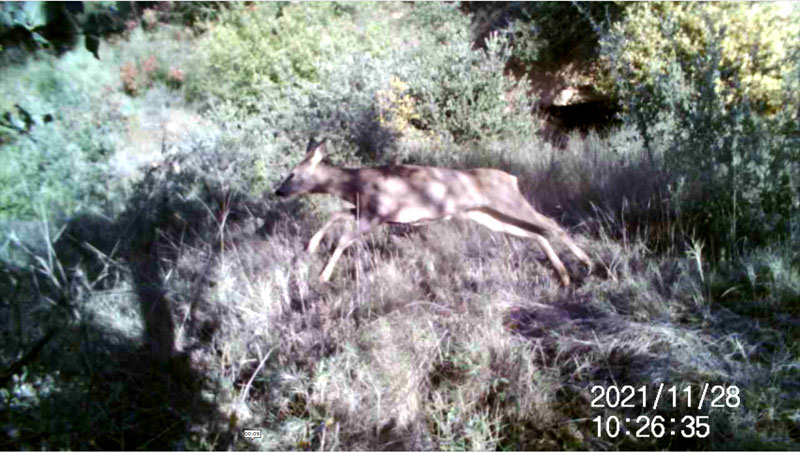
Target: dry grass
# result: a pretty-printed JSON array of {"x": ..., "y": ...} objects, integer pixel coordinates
[
  {"x": 196, "y": 312},
  {"x": 440, "y": 337}
]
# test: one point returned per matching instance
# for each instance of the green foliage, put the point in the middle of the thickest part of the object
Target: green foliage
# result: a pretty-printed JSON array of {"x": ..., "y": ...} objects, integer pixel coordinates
[
  {"x": 738, "y": 169},
  {"x": 62, "y": 119},
  {"x": 463, "y": 93},
  {"x": 58, "y": 171},
  {"x": 55, "y": 151},
  {"x": 281, "y": 73},
  {"x": 339, "y": 107},
  {"x": 284, "y": 72},
  {"x": 722, "y": 121},
  {"x": 756, "y": 42},
  {"x": 548, "y": 34},
  {"x": 264, "y": 47}
]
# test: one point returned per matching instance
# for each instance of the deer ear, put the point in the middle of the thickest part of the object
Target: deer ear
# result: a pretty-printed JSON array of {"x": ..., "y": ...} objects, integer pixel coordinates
[{"x": 318, "y": 152}]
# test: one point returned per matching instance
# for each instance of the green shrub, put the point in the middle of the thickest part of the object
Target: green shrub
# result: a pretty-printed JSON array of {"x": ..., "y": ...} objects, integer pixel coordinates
[
  {"x": 463, "y": 92},
  {"x": 273, "y": 74},
  {"x": 60, "y": 171},
  {"x": 55, "y": 145},
  {"x": 339, "y": 107},
  {"x": 320, "y": 69},
  {"x": 756, "y": 43},
  {"x": 265, "y": 47},
  {"x": 724, "y": 129},
  {"x": 62, "y": 119}
]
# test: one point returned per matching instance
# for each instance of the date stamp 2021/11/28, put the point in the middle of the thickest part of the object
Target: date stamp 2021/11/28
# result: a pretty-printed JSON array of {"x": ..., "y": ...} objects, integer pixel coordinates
[{"x": 653, "y": 425}]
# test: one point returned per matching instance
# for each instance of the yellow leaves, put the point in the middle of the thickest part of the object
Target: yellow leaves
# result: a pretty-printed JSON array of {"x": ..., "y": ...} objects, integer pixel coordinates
[
  {"x": 398, "y": 85},
  {"x": 756, "y": 42},
  {"x": 396, "y": 108}
]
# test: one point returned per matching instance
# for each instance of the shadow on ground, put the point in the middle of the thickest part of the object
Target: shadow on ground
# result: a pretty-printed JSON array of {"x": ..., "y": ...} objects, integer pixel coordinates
[{"x": 75, "y": 383}]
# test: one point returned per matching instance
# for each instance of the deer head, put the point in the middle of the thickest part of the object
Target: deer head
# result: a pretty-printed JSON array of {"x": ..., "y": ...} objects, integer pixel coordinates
[{"x": 304, "y": 177}]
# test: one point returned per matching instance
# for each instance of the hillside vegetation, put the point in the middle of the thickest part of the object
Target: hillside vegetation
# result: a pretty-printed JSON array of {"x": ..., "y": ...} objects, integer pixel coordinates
[{"x": 157, "y": 295}]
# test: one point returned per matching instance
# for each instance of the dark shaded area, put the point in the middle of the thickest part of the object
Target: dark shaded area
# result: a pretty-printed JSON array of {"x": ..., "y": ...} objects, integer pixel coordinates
[
  {"x": 59, "y": 31},
  {"x": 100, "y": 390},
  {"x": 112, "y": 392},
  {"x": 65, "y": 22},
  {"x": 126, "y": 400},
  {"x": 192, "y": 13},
  {"x": 598, "y": 115}
]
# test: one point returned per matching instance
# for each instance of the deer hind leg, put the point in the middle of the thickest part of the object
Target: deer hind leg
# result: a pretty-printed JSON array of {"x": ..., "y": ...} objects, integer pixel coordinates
[
  {"x": 550, "y": 228},
  {"x": 346, "y": 214},
  {"x": 363, "y": 226},
  {"x": 579, "y": 253},
  {"x": 497, "y": 222}
]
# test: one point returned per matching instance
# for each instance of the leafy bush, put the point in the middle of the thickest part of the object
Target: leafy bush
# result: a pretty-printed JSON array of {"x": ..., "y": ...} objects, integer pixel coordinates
[
  {"x": 281, "y": 73},
  {"x": 756, "y": 43},
  {"x": 56, "y": 147},
  {"x": 62, "y": 119},
  {"x": 264, "y": 47},
  {"x": 331, "y": 70},
  {"x": 712, "y": 91},
  {"x": 58, "y": 171},
  {"x": 461, "y": 92}
]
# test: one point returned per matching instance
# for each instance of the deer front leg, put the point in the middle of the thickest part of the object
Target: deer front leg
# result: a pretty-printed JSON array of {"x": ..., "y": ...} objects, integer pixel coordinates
[
  {"x": 346, "y": 214},
  {"x": 363, "y": 226}
]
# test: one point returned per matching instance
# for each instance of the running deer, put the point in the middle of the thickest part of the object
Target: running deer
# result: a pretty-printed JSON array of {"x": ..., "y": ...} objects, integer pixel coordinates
[{"x": 419, "y": 194}]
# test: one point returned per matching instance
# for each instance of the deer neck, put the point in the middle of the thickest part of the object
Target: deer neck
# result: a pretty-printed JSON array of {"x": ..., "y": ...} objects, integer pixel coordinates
[{"x": 340, "y": 182}]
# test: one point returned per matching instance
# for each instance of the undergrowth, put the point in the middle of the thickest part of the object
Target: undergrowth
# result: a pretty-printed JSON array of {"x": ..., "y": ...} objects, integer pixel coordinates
[{"x": 174, "y": 305}]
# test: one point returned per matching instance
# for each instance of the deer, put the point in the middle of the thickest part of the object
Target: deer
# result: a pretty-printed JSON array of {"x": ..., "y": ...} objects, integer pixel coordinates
[{"x": 410, "y": 194}]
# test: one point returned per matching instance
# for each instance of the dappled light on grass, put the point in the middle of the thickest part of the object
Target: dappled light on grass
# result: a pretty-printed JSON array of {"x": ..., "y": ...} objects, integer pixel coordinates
[{"x": 157, "y": 296}]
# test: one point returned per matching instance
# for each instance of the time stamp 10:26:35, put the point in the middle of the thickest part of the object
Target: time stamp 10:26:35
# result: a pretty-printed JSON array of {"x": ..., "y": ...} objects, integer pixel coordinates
[{"x": 655, "y": 425}]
